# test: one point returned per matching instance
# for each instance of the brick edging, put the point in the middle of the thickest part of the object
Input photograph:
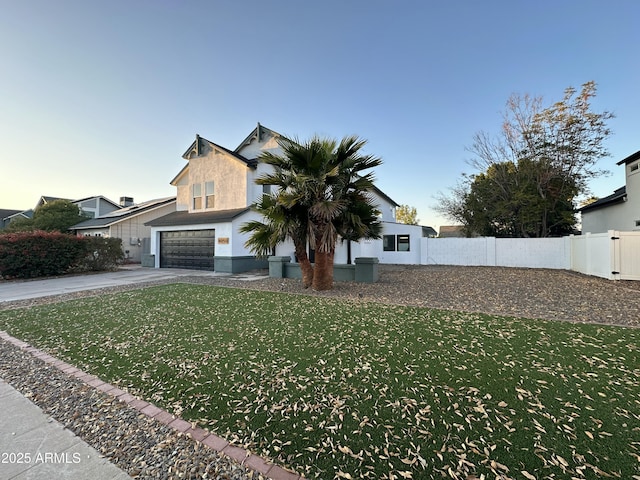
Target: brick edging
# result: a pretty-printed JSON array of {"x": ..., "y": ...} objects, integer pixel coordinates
[{"x": 219, "y": 444}]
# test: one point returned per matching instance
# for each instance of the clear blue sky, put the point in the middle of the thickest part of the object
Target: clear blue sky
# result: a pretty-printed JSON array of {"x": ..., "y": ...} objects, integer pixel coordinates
[{"x": 102, "y": 98}]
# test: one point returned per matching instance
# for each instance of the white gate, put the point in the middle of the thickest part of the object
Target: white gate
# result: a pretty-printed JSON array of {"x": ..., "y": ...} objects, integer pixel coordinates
[{"x": 627, "y": 255}]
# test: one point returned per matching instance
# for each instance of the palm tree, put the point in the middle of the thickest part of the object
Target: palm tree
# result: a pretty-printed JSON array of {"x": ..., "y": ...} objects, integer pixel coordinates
[{"x": 320, "y": 196}]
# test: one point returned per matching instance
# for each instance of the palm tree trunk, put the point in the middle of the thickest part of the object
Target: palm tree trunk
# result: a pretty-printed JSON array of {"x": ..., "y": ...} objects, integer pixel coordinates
[
  {"x": 323, "y": 274},
  {"x": 305, "y": 265}
]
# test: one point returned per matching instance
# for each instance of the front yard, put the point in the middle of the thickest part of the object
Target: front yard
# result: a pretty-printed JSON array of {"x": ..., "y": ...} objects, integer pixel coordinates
[{"x": 349, "y": 389}]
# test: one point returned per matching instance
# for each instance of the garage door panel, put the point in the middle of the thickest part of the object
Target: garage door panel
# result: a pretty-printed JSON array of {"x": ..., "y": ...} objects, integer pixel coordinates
[{"x": 192, "y": 249}]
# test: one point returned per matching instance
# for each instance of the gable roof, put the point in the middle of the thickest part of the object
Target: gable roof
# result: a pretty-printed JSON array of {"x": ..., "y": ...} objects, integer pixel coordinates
[
  {"x": 99, "y": 197},
  {"x": 123, "y": 214},
  {"x": 197, "y": 147},
  {"x": 631, "y": 158},
  {"x": 4, "y": 213},
  {"x": 257, "y": 133},
  {"x": 618, "y": 196},
  {"x": 183, "y": 217}
]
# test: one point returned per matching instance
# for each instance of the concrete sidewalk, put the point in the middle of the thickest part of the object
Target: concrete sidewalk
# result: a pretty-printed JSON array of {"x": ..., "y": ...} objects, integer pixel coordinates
[
  {"x": 34, "y": 446},
  {"x": 25, "y": 290}
]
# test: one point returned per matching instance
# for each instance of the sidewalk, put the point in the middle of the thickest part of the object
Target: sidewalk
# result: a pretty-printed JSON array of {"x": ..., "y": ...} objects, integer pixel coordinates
[{"x": 33, "y": 446}]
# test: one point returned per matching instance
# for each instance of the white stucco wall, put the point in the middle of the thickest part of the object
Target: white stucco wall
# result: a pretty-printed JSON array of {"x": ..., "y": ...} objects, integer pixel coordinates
[{"x": 620, "y": 216}]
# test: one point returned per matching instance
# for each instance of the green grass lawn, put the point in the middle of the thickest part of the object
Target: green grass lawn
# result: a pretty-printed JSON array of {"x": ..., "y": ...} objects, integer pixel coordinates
[{"x": 340, "y": 390}]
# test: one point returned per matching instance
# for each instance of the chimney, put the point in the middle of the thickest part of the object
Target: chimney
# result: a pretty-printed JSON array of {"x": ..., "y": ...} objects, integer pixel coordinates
[{"x": 126, "y": 201}]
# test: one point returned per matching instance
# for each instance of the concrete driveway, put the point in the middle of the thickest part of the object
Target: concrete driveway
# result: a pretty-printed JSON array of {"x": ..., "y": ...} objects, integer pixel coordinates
[{"x": 25, "y": 290}]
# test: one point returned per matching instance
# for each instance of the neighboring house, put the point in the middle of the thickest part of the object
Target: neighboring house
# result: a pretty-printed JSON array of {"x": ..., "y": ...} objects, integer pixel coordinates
[
  {"x": 621, "y": 210},
  {"x": 128, "y": 224},
  {"x": 451, "y": 231},
  {"x": 6, "y": 216},
  {"x": 214, "y": 192},
  {"x": 90, "y": 206}
]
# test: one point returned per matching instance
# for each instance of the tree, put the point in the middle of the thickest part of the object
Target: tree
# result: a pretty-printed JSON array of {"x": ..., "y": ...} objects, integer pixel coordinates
[
  {"x": 530, "y": 176},
  {"x": 321, "y": 194},
  {"x": 57, "y": 216},
  {"x": 407, "y": 215}
]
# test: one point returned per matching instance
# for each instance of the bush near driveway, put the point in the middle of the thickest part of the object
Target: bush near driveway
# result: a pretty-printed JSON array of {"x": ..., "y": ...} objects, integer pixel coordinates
[
  {"x": 41, "y": 254},
  {"x": 361, "y": 390}
]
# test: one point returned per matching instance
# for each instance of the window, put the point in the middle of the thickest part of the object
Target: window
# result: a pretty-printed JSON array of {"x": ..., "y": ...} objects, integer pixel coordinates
[
  {"x": 403, "y": 243},
  {"x": 266, "y": 189},
  {"x": 197, "y": 196},
  {"x": 392, "y": 243},
  {"x": 637, "y": 223},
  {"x": 633, "y": 168},
  {"x": 210, "y": 197},
  {"x": 389, "y": 243}
]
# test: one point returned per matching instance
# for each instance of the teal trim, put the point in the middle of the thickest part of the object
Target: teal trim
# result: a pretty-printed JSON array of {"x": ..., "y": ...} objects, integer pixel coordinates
[{"x": 238, "y": 264}]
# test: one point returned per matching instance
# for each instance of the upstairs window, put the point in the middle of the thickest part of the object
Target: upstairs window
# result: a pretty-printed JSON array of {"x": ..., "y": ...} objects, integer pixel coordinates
[
  {"x": 197, "y": 196},
  {"x": 634, "y": 167},
  {"x": 266, "y": 189},
  {"x": 209, "y": 194}
]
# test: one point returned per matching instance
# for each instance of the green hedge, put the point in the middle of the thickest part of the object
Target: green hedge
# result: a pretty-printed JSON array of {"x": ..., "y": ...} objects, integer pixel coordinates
[{"x": 42, "y": 254}]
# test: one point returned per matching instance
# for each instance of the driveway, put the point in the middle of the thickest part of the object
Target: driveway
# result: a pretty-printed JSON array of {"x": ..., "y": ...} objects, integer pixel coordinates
[{"x": 25, "y": 290}]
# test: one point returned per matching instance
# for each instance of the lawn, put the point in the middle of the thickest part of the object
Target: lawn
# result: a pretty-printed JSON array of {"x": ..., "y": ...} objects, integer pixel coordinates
[{"x": 360, "y": 390}]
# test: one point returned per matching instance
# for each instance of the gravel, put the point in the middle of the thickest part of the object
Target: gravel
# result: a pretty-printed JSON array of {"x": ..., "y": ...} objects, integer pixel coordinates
[{"x": 147, "y": 449}]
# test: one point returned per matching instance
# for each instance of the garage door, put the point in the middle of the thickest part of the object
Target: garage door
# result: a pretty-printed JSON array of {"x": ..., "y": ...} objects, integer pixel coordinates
[{"x": 192, "y": 249}]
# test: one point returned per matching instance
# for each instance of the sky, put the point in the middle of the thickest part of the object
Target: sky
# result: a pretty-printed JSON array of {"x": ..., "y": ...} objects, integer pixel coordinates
[{"x": 103, "y": 98}]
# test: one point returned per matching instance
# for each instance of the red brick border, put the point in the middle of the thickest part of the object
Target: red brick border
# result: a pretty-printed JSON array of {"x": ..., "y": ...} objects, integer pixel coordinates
[{"x": 219, "y": 444}]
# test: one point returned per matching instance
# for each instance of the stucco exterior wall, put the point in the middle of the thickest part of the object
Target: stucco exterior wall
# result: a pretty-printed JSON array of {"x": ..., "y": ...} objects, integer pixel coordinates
[
  {"x": 621, "y": 216},
  {"x": 227, "y": 173}
]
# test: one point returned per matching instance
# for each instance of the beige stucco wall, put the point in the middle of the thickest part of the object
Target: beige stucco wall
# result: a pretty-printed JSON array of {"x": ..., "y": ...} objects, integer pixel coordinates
[{"x": 228, "y": 174}]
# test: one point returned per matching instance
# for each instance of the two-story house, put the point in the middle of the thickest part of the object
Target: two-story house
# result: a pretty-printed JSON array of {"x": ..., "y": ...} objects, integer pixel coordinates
[
  {"x": 215, "y": 190},
  {"x": 621, "y": 210}
]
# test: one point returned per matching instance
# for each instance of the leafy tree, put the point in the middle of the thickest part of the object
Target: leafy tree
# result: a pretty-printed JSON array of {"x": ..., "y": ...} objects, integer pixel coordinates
[
  {"x": 58, "y": 215},
  {"x": 320, "y": 195},
  {"x": 532, "y": 174},
  {"x": 407, "y": 215},
  {"x": 19, "y": 225}
]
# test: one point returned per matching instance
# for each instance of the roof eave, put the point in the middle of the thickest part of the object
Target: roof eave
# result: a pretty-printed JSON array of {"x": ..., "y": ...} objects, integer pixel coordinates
[{"x": 631, "y": 158}]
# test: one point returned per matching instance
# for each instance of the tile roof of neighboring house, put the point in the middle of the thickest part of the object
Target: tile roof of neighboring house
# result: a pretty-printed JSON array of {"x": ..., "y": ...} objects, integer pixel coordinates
[
  {"x": 123, "y": 213},
  {"x": 183, "y": 217},
  {"x": 631, "y": 158},
  {"x": 618, "y": 196}
]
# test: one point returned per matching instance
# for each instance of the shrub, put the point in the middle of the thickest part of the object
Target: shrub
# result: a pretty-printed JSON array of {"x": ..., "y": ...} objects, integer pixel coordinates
[
  {"x": 40, "y": 254},
  {"x": 101, "y": 254}
]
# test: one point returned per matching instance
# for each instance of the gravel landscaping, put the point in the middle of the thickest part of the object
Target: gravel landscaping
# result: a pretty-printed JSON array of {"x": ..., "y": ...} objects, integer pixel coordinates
[
  {"x": 519, "y": 292},
  {"x": 146, "y": 449}
]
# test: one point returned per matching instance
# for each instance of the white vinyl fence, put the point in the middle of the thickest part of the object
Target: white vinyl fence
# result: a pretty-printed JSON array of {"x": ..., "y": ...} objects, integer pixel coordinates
[
  {"x": 498, "y": 252},
  {"x": 613, "y": 255}
]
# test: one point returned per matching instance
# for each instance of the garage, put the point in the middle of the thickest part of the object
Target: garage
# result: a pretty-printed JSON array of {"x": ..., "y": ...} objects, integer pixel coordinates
[{"x": 192, "y": 249}]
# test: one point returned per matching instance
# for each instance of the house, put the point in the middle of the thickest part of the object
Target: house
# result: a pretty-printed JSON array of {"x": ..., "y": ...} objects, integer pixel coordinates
[
  {"x": 89, "y": 206},
  {"x": 215, "y": 190},
  {"x": 620, "y": 210},
  {"x": 451, "y": 231},
  {"x": 128, "y": 224},
  {"x": 8, "y": 215}
]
